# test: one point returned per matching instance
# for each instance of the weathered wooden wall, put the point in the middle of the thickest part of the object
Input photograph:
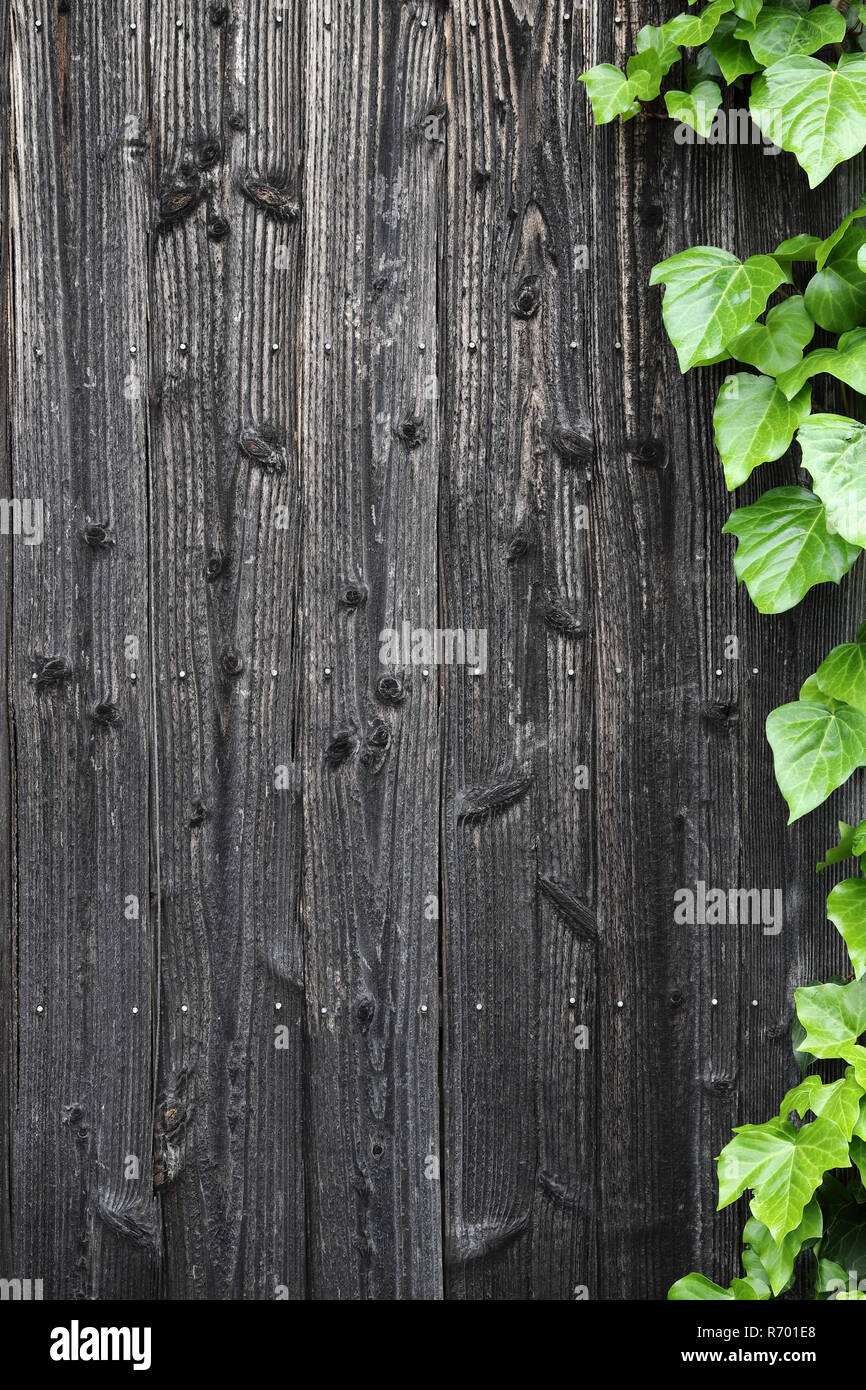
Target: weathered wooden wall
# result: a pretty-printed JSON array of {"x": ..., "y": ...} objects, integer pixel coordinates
[{"x": 323, "y": 316}]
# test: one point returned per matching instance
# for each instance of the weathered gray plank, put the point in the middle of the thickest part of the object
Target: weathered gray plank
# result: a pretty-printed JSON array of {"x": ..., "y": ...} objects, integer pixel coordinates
[
  {"x": 82, "y": 1196},
  {"x": 369, "y": 459},
  {"x": 228, "y": 1164}
]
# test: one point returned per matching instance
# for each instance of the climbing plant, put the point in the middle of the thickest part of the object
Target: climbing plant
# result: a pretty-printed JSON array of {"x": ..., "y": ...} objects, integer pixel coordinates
[{"x": 805, "y": 1167}]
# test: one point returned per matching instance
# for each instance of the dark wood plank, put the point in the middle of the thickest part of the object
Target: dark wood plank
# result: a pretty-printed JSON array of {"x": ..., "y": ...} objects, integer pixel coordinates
[
  {"x": 228, "y": 1163},
  {"x": 370, "y": 752}
]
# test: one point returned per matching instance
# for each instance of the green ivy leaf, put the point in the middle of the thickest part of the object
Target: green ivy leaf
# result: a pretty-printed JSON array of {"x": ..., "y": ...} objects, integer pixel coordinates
[
  {"x": 815, "y": 111},
  {"x": 652, "y": 37},
  {"x": 845, "y": 847},
  {"x": 695, "y": 1287},
  {"x": 755, "y": 423},
  {"x": 644, "y": 72},
  {"x": 785, "y": 548},
  {"x": 842, "y": 674},
  {"x": 802, "y": 247},
  {"x": 834, "y": 452},
  {"x": 696, "y": 108},
  {"x": 783, "y": 1166},
  {"x": 777, "y": 1258},
  {"x": 846, "y": 362},
  {"x": 834, "y": 1017},
  {"x": 748, "y": 9},
  {"x": 776, "y": 345},
  {"x": 734, "y": 57},
  {"x": 815, "y": 750},
  {"x": 830, "y": 242},
  {"x": 610, "y": 92},
  {"x": 779, "y": 33},
  {"x": 711, "y": 297},
  {"x": 846, "y": 908},
  {"x": 691, "y": 30},
  {"x": 836, "y": 295}
]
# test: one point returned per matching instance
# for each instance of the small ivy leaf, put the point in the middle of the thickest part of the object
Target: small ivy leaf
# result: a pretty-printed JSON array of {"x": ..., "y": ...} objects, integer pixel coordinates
[
  {"x": 842, "y": 674},
  {"x": 733, "y": 56},
  {"x": 776, "y": 345},
  {"x": 785, "y": 548},
  {"x": 711, "y": 297},
  {"x": 858, "y": 1156},
  {"x": 846, "y": 362},
  {"x": 832, "y": 241},
  {"x": 696, "y": 108},
  {"x": 610, "y": 92},
  {"x": 816, "y": 112},
  {"x": 838, "y": 853},
  {"x": 697, "y": 1288},
  {"x": 831, "y": 1277},
  {"x": 836, "y": 295},
  {"x": 802, "y": 247},
  {"x": 755, "y": 423},
  {"x": 846, "y": 909},
  {"x": 834, "y": 1017},
  {"x": 748, "y": 9},
  {"x": 690, "y": 31},
  {"x": 644, "y": 71},
  {"x": 652, "y": 37},
  {"x": 777, "y": 1259},
  {"x": 815, "y": 750},
  {"x": 704, "y": 66},
  {"x": 781, "y": 33},
  {"x": 834, "y": 452}
]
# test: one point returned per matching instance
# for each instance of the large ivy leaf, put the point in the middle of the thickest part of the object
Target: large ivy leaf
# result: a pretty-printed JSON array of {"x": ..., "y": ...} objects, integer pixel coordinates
[
  {"x": 846, "y": 362},
  {"x": 783, "y": 1166},
  {"x": 776, "y": 345},
  {"x": 785, "y": 548},
  {"x": 653, "y": 37},
  {"x": 777, "y": 1258},
  {"x": 816, "y": 112},
  {"x": 834, "y": 1017},
  {"x": 697, "y": 108},
  {"x": 755, "y": 423},
  {"x": 815, "y": 750},
  {"x": 834, "y": 452},
  {"x": 780, "y": 33},
  {"x": 734, "y": 57},
  {"x": 690, "y": 30},
  {"x": 836, "y": 295},
  {"x": 827, "y": 245},
  {"x": 610, "y": 92},
  {"x": 846, "y": 908},
  {"x": 710, "y": 297},
  {"x": 802, "y": 247},
  {"x": 842, "y": 674},
  {"x": 748, "y": 9}
]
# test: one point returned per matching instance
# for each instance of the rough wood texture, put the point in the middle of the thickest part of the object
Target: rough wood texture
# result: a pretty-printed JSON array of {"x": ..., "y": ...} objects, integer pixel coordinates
[{"x": 330, "y": 971}]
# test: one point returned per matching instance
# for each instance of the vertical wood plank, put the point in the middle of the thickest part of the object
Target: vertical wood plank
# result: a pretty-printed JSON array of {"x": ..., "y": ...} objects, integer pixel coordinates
[
  {"x": 228, "y": 1162},
  {"x": 82, "y": 1195},
  {"x": 368, "y": 740}
]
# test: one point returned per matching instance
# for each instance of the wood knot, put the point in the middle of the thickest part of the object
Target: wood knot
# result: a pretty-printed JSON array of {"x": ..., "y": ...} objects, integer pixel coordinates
[
  {"x": 390, "y": 689},
  {"x": 105, "y": 713},
  {"x": 51, "y": 670},
  {"x": 219, "y": 14},
  {"x": 214, "y": 565},
  {"x": 517, "y": 547},
  {"x": 720, "y": 712},
  {"x": 366, "y": 1013},
  {"x": 558, "y": 617},
  {"x": 217, "y": 228},
  {"x": 574, "y": 447},
  {"x": 376, "y": 743},
  {"x": 199, "y": 813},
  {"x": 237, "y": 121},
  {"x": 209, "y": 152},
  {"x": 97, "y": 536},
  {"x": 411, "y": 431},
  {"x": 354, "y": 595},
  {"x": 263, "y": 446},
  {"x": 178, "y": 198},
  {"x": 651, "y": 214},
  {"x": 276, "y": 200},
  {"x": 527, "y": 297},
  {"x": 650, "y": 452},
  {"x": 232, "y": 663},
  {"x": 341, "y": 748}
]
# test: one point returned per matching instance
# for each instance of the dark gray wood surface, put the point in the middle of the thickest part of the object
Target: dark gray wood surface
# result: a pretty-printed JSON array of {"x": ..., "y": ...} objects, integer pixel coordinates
[{"x": 332, "y": 972}]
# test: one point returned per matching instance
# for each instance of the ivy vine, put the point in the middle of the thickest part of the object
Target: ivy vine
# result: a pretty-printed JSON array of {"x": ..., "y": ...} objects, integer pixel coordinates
[{"x": 804, "y": 1169}]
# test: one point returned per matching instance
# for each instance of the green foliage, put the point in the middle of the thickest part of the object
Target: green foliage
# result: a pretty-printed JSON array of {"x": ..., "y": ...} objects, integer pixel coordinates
[{"x": 813, "y": 106}]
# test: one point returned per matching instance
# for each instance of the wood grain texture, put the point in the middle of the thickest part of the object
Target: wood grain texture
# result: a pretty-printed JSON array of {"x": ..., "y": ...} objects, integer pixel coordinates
[{"x": 332, "y": 970}]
